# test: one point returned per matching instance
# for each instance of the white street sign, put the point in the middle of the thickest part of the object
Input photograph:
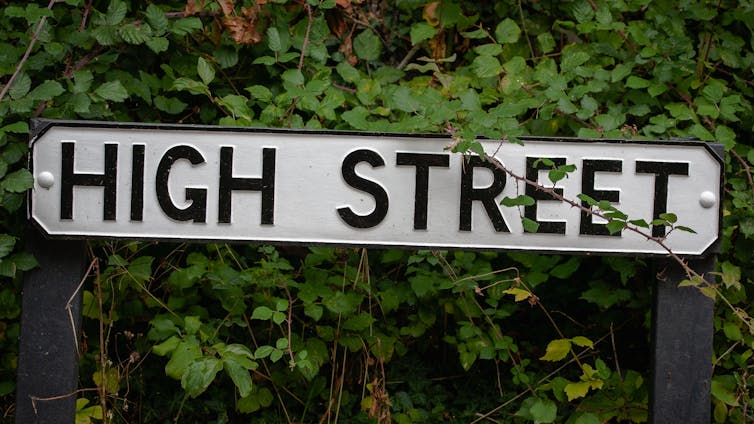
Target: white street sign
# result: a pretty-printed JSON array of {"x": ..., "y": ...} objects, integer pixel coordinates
[{"x": 161, "y": 182}]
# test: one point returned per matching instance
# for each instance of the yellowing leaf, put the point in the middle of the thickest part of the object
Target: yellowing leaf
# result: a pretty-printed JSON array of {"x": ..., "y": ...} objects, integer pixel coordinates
[
  {"x": 520, "y": 294},
  {"x": 557, "y": 350},
  {"x": 583, "y": 342},
  {"x": 577, "y": 390}
]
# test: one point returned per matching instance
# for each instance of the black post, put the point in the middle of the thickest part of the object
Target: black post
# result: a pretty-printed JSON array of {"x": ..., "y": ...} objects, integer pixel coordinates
[
  {"x": 48, "y": 358},
  {"x": 681, "y": 348}
]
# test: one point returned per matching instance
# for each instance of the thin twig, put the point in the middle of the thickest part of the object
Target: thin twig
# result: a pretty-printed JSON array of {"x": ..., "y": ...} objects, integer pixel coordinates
[
  {"x": 306, "y": 36},
  {"x": 615, "y": 352},
  {"x": 85, "y": 15},
  {"x": 747, "y": 168},
  {"x": 68, "y": 305},
  {"x": 102, "y": 348},
  {"x": 410, "y": 55},
  {"x": 25, "y": 57}
]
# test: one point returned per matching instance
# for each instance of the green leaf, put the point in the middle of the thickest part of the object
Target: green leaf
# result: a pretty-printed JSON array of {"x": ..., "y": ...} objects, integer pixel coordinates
[
  {"x": 530, "y": 225},
  {"x": 167, "y": 346},
  {"x": 135, "y": 34},
  {"x": 262, "y": 313},
  {"x": 190, "y": 85},
  {"x": 18, "y": 127},
  {"x": 573, "y": 58},
  {"x": 158, "y": 44},
  {"x": 205, "y": 71},
  {"x": 260, "y": 92},
  {"x": 186, "y": 26},
  {"x": 367, "y": 45},
  {"x": 18, "y": 181},
  {"x": 615, "y": 226},
  {"x": 670, "y": 217},
  {"x": 723, "y": 390},
  {"x": 685, "y": 229},
  {"x": 359, "y": 322},
  {"x": 20, "y": 87},
  {"x": 46, "y": 91},
  {"x": 293, "y": 76},
  {"x": 486, "y": 66},
  {"x": 116, "y": 11},
  {"x": 170, "y": 105},
  {"x": 421, "y": 31},
  {"x": 732, "y": 331},
  {"x": 507, "y": 31},
  {"x": 543, "y": 411},
  {"x": 183, "y": 355},
  {"x": 24, "y": 261},
  {"x": 731, "y": 275},
  {"x": 546, "y": 42},
  {"x": 347, "y": 72},
  {"x": 557, "y": 350},
  {"x": 273, "y": 40},
  {"x": 521, "y": 200},
  {"x": 157, "y": 19},
  {"x": 567, "y": 268},
  {"x": 636, "y": 82},
  {"x": 263, "y": 351},
  {"x": 239, "y": 374},
  {"x": 639, "y": 223},
  {"x": 200, "y": 374},
  {"x": 113, "y": 91}
]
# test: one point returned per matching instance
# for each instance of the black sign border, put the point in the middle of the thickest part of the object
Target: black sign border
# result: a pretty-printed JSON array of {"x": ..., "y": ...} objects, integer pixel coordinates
[{"x": 39, "y": 126}]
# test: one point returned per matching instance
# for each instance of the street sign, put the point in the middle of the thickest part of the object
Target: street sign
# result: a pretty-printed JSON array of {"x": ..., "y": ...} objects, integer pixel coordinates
[{"x": 170, "y": 182}]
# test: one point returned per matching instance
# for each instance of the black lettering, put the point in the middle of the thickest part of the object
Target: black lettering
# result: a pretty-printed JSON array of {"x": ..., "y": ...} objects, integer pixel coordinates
[
  {"x": 533, "y": 166},
  {"x": 70, "y": 179},
  {"x": 661, "y": 170},
  {"x": 197, "y": 210},
  {"x": 348, "y": 170},
  {"x": 422, "y": 162},
  {"x": 137, "y": 182},
  {"x": 265, "y": 184},
  {"x": 486, "y": 195},
  {"x": 589, "y": 168}
]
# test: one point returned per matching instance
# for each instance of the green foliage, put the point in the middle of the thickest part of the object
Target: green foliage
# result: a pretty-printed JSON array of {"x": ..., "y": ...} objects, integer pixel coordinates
[{"x": 218, "y": 333}]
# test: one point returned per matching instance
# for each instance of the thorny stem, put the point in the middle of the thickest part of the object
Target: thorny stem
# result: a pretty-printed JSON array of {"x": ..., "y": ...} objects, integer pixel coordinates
[{"x": 660, "y": 241}]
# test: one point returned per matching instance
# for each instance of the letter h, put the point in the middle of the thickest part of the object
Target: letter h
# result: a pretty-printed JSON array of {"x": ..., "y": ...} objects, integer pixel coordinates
[{"x": 71, "y": 179}]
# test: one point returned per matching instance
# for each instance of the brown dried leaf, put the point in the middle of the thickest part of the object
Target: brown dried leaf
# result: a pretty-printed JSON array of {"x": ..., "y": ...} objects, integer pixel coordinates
[
  {"x": 241, "y": 30},
  {"x": 251, "y": 12},
  {"x": 430, "y": 13},
  {"x": 336, "y": 21},
  {"x": 227, "y": 6},
  {"x": 191, "y": 8}
]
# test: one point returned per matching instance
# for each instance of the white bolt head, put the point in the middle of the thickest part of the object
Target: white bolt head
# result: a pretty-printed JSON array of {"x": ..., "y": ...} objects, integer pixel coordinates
[
  {"x": 707, "y": 199},
  {"x": 45, "y": 179}
]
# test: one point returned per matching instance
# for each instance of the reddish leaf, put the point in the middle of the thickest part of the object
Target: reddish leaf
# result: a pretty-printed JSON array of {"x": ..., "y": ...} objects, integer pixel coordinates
[
  {"x": 227, "y": 6},
  {"x": 242, "y": 31}
]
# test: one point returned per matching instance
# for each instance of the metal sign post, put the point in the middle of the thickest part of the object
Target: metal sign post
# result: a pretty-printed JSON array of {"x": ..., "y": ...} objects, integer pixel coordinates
[
  {"x": 96, "y": 180},
  {"x": 47, "y": 375}
]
